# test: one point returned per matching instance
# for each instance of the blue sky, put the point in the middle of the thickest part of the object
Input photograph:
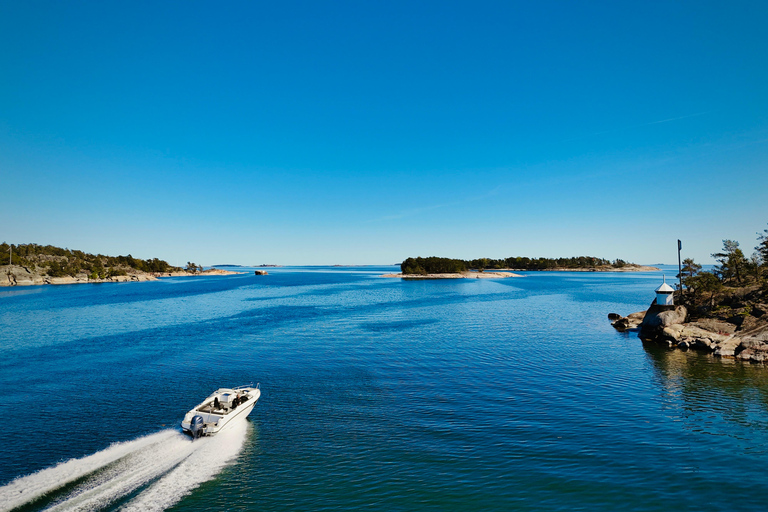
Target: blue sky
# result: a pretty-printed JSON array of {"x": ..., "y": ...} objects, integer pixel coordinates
[{"x": 367, "y": 132}]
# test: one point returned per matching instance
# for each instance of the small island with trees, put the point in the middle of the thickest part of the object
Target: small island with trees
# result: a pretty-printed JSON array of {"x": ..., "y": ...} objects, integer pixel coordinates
[
  {"x": 33, "y": 264},
  {"x": 449, "y": 268}
]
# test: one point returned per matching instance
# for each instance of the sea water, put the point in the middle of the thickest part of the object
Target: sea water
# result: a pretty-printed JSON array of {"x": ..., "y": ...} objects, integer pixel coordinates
[{"x": 377, "y": 394}]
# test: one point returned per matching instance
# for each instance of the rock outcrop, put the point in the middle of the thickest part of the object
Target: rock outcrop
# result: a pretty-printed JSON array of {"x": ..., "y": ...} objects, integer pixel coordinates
[
  {"x": 657, "y": 318},
  {"x": 745, "y": 338},
  {"x": 626, "y": 323},
  {"x": 721, "y": 343},
  {"x": 15, "y": 275}
]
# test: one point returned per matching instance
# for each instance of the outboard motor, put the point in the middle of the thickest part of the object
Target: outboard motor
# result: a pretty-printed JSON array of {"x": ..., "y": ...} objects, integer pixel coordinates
[{"x": 196, "y": 426}]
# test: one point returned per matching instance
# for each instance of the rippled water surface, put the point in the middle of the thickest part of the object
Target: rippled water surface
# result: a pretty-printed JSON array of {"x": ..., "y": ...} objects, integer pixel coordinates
[{"x": 377, "y": 393}]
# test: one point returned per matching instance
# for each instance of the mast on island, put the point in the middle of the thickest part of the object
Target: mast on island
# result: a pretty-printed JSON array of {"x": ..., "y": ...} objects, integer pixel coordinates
[{"x": 680, "y": 266}]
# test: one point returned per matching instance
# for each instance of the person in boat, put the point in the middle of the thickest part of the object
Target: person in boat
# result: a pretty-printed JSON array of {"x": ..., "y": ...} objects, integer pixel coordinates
[{"x": 216, "y": 403}]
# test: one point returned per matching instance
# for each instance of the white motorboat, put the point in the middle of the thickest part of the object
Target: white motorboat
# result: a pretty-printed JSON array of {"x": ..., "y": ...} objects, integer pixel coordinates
[{"x": 224, "y": 406}]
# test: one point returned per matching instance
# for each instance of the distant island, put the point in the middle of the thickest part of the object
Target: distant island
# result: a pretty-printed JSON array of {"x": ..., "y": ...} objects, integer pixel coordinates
[
  {"x": 456, "y": 275},
  {"x": 33, "y": 264},
  {"x": 449, "y": 268}
]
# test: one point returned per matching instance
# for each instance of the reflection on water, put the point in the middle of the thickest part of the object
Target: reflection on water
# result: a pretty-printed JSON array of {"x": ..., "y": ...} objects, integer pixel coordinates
[{"x": 712, "y": 395}]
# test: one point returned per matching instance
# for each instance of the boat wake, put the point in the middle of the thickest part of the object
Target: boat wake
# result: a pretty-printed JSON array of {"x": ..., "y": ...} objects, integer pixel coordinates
[{"x": 149, "y": 473}]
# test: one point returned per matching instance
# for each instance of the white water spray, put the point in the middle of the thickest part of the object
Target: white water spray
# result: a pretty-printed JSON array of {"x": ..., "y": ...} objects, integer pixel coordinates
[
  {"x": 168, "y": 458},
  {"x": 202, "y": 465}
]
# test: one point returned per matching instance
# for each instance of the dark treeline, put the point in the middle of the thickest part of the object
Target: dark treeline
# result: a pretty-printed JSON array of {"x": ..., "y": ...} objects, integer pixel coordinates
[
  {"x": 435, "y": 265},
  {"x": 58, "y": 262},
  {"x": 432, "y": 265}
]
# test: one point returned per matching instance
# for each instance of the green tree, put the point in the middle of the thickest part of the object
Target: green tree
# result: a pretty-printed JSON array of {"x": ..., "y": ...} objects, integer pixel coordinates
[
  {"x": 753, "y": 266},
  {"x": 690, "y": 267},
  {"x": 432, "y": 265},
  {"x": 114, "y": 271},
  {"x": 762, "y": 247},
  {"x": 705, "y": 282},
  {"x": 97, "y": 270},
  {"x": 5, "y": 254},
  {"x": 55, "y": 269},
  {"x": 731, "y": 261},
  {"x": 412, "y": 266},
  {"x": 689, "y": 270}
]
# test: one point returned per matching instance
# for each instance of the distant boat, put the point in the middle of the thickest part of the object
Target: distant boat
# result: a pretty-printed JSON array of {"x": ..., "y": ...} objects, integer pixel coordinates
[{"x": 222, "y": 407}]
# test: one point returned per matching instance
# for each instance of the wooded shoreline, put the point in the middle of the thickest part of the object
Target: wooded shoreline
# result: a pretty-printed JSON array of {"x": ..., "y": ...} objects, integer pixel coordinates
[
  {"x": 456, "y": 275},
  {"x": 438, "y": 265}
]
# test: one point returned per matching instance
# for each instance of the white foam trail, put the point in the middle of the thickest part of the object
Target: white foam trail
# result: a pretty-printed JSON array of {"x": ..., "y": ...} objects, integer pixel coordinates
[
  {"x": 171, "y": 459},
  {"x": 129, "y": 474},
  {"x": 27, "y": 488},
  {"x": 201, "y": 465}
]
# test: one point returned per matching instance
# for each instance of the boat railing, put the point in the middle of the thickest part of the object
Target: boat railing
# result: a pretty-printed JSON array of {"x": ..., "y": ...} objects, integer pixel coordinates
[{"x": 247, "y": 386}]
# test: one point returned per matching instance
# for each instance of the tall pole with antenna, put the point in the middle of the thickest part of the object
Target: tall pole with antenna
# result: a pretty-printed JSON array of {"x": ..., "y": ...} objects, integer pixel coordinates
[{"x": 680, "y": 267}]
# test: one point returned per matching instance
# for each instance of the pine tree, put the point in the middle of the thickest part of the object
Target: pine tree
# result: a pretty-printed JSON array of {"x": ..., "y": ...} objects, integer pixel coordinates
[{"x": 732, "y": 262}]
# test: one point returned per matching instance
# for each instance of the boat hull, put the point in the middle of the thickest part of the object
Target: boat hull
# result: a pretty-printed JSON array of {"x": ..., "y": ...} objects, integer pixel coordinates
[{"x": 216, "y": 419}]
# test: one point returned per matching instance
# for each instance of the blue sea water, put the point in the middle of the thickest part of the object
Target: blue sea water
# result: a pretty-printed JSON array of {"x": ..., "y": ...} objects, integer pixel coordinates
[{"x": 377, "y": 394}]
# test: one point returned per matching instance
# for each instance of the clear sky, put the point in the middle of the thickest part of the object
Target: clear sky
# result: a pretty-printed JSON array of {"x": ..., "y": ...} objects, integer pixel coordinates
[{"x": 365, "y": 132}]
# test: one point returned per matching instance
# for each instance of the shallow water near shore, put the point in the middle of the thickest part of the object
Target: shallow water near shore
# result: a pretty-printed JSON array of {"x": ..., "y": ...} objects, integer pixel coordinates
[{"x": 384, "y": 394}]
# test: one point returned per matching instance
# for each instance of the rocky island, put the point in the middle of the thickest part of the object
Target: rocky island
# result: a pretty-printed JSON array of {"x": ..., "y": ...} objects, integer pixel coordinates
[
  {"x": 743, "y": 334},
  {"x": 32, "y": 264},
  {"x": 723, "y": 312}
]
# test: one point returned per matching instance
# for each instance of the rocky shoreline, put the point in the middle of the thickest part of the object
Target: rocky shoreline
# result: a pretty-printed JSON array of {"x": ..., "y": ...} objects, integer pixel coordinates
[
  {"x": 457, "y": 275},
  {"x": 16, "y": 275},
  {"x": 743, "y": 336}
]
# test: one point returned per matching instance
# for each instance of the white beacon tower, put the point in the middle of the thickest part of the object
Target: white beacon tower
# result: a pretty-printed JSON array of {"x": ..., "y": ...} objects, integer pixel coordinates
[{"x": 665, "y": 294}]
